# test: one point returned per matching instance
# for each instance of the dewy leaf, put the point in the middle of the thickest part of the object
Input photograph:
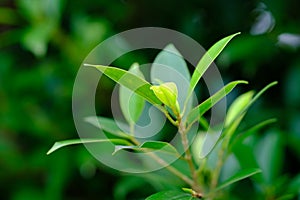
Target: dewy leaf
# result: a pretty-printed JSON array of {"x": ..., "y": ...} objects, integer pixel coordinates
[
  {"x": 171, "y": 195},
  {"x": 202, "y": 108},
  {"x": 163, "y": 147},
  {"x": 206, "y": 61},
  {"x": 245, "y": 173},
  {"x": 131, "y": 104},
  {"x": 58, "y": 145},
  {"x": 129, "y": 80},
  {"x": 170, "y": 66}
]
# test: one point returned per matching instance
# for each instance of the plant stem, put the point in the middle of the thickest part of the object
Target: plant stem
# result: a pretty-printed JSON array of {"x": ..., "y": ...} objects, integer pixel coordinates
[
  {"x": 188, "y": 156},
  {"x": 171, "y": 169},
  {"x": 222, "y": 153},
  {"x": 217, "y": 171},
  {"x": 220, "y": 163},
  {"x": 200, "y": 170}
]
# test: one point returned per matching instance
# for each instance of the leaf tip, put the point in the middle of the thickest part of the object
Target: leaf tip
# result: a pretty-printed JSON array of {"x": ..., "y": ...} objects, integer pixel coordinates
[
  {"x": 87, "y": 65},
  {"x": 242, "y": 82},
  {"x": 53, "y": 148},
  {"x": 235, "y": 34},
  {"x": 274, "y": 83}
]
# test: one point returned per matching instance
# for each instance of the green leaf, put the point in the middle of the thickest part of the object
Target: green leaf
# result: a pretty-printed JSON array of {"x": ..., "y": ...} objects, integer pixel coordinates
[
  {"x": 170, "y": 66},
  {"x": 163, "y": 147},
  {"x": 245, "y": 173},
  {"x": 238, "y": 105},
  {"x": 259, "y": 126},
  {"x": 234, "y": 116},
  {"x": 269, "y": 154},
  {"x": 202, "y": 108},
  {"x": 206, "y": 61},
  {"x": 167, "y": 93},
  {"x": 58, "y": 145},
  {"x": 126, "y": 185},
  {"x": 171, "y": 195},
  {"x": 286, "y": 197},
  {"x": 246, "y": 107},
  {"x": 130, "y": 81},
  {"x": 131, "y": 104},
  {"x": 294, "y": 185},
  {"x": 242, "y": 136},
  {"x": 172, "y": 58},
  {"x": 110, "y": 126},
  {"x": 249, "y": 161}
]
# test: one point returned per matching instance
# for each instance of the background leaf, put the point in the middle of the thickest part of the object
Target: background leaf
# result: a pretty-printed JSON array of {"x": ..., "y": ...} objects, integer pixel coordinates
[
  {"x": 239, "y": 108},
  {"x": 170, "y": 66},
  {"x": 245, "y": 173},
  {"x": 110, "y": 126},
  {"x": 131, "y": 104}
]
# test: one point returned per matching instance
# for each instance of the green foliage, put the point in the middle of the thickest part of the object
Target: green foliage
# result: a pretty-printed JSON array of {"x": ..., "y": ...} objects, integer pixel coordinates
[
  {"x": 172, "y": 194},
  {"x": 245, "y": 173},
  {"x": 44, "y": 42},
  {"x": 203, "y": 107},
  {"x": 165, "y": 98},
  {"x": 42, "y": 45}
]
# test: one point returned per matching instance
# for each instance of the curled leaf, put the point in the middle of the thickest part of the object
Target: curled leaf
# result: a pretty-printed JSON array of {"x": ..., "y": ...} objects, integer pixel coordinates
[{"x": 167, "y": 93}]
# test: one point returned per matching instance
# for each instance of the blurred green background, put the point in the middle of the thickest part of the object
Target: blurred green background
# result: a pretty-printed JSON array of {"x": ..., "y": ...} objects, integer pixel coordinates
[{"x": 42, "y": 45}]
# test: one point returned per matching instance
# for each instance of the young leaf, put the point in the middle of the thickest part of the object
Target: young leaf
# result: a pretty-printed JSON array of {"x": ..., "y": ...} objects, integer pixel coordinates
[
  {"x": 163, "y": 147},
  {"x": 58, "y": 145},
  {"x": 171, "y": 195},
  {"x": 131, "y": 104},
  {"x": 245, "y": 173},
  {"x": 129, "y": 80},
  {"x": 202, "y": 108},
  {"x": 167, "y": 93},
  {"x": 206, "y": 61}
]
